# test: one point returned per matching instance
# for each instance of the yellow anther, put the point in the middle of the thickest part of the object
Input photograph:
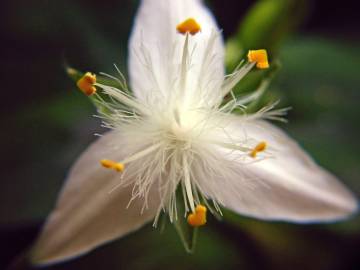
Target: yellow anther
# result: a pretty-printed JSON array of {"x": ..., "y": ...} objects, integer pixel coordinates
[
  {"x": 260, "y": 57},
  {"x": 199, "y": 217},
  {"x": 190, "y": 25},
  {"x": 109, "y": 164},
  {"x": 86, "y": 84},
  {"x": 260, "y": 147}
]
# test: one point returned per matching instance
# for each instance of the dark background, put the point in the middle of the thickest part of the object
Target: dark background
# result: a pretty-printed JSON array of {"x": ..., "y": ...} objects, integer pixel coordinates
[{"x": 46, "y": 123}]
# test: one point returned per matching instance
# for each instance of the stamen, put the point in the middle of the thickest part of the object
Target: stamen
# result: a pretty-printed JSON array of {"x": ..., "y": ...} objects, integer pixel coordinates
[
  {"x": 86, "y": 84},
  {"x": 260, "y": 147},
  {"x": 197, "y": 218},
  {"x": 109, "y": 164},
  {"x": 190, "y": 25},
  {"x": 259, "y": 57}
]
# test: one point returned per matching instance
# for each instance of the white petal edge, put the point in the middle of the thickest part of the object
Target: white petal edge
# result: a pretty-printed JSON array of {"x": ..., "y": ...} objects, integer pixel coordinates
[
  {"x": 287, "y": 187},
  {"x": 154, "y": 37},
  {"x": 86, "y": 214}
]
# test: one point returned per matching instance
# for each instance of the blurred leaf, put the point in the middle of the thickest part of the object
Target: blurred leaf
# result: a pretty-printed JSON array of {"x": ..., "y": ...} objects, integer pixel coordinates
[{"x": 264, "y": 27}]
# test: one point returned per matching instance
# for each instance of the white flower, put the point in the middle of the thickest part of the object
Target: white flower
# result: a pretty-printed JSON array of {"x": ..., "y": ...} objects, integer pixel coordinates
[{"x": 176, "y": 133}]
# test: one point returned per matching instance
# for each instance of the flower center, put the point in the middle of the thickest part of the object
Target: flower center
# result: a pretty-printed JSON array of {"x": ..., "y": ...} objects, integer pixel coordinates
[{"x": 166, "y": 136}]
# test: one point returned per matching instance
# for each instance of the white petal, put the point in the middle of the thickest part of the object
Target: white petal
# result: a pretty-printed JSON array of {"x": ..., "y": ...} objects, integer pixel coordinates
[
  {"x": 156, "y": 47},
  {"x": 288, "y": 186},
  {"x": 86, "y": 214}
]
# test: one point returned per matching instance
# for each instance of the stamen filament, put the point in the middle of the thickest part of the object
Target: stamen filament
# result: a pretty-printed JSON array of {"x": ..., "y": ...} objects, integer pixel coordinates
[
  {"x": 188, "y": 184},
  {"x": 142, "y": 153},
  {"x": 122, "y": 97},
  {"x": 184, "y": 64},
  {"x": 232, "y": 146},
  {"x": 236, "y": 77}
]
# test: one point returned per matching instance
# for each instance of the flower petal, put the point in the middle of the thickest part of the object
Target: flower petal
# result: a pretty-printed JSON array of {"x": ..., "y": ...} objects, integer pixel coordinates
[
  {"x": 288, "y": 186},
  {"x": 86, "y": 214},
  {"x": 156, "y": 48}
]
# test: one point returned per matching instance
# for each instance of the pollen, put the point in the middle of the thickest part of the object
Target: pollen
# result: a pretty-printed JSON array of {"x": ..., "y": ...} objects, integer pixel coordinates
[
  {"x": 198, "y": 218},
  {"x": 260, "y": 147},
  {"x": 86, "y": 84},
  {"x": 190, "y": 25},
  {"x": 109, "y": 164},
  {"x": 260, "y": 57}
]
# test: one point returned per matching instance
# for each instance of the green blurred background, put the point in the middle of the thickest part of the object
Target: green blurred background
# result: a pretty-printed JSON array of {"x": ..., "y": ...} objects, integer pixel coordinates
[{"x": 47, "y": 123}]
